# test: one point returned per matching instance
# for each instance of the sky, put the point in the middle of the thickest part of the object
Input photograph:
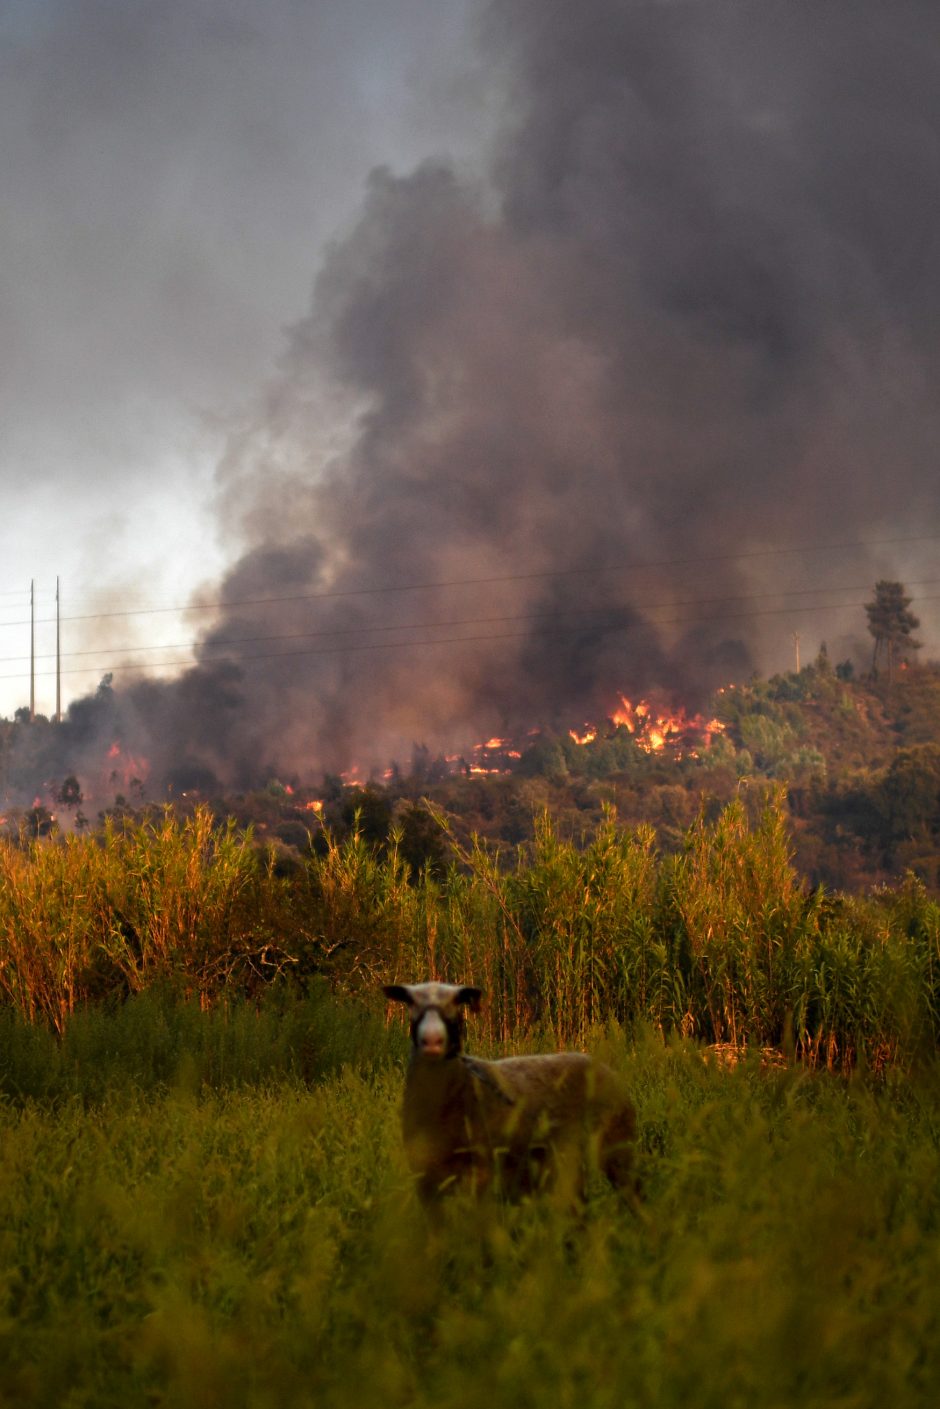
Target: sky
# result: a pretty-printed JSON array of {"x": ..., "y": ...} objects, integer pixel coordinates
[
  {"x": 482, "y": 360},
  {"x": 171, "y": 172}
]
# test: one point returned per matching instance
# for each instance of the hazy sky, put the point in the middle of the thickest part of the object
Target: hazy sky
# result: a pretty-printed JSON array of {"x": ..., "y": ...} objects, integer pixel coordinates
[
  {"x": 169, "y": 173},
  {"x": 300, "y": 296}
]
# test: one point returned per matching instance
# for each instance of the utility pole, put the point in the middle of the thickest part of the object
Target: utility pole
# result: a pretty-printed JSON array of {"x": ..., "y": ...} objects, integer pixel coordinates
[
  {"x": 58, "y": 660},
  {"x": 32, "y": 650},
  {"x": 796, "y": 642}
]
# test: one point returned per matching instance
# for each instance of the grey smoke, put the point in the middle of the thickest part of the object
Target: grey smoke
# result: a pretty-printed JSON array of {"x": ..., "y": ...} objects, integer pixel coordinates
[{"x": 689, "y": 309}]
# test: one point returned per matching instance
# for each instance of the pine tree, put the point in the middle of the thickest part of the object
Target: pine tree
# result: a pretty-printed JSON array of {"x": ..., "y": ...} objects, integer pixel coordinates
[{"x": 891, "y": 623}]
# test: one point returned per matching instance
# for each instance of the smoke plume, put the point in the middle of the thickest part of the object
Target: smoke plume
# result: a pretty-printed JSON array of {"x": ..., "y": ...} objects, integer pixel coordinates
[{"x": 541, "y": 434}]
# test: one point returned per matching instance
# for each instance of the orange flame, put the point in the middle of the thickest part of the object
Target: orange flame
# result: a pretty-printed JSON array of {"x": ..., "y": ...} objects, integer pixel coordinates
[
  {"x": 627, "y": 715},
  {"x": 588, "y": 737},
  {"x": 655, "y": 732}
]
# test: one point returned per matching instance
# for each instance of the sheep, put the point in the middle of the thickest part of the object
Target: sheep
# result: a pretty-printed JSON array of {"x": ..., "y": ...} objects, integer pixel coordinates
[{"x": 514, "y": 1124}]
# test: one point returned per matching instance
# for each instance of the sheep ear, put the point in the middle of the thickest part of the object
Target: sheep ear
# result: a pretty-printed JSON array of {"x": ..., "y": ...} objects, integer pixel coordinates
[
  {"x": 470, "y": 996},
  {"x": 397, "y": 992}
]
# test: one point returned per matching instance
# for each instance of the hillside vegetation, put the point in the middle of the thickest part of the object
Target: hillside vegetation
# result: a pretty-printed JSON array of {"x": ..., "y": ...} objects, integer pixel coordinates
[{"x": 859, "y": 760}]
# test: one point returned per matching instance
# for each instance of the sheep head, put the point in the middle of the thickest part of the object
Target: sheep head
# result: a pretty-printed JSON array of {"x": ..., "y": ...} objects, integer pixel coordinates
[{"x": 437, "y": 1018}]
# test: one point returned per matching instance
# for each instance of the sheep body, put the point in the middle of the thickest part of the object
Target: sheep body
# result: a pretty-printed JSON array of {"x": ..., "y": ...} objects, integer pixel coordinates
[{"x": 518, "y": 1122}]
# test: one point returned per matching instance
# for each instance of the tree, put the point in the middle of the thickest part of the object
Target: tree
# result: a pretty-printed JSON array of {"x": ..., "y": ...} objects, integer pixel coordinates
[
  {"x": 908, "y": 797},
  {"x": 891, "y": 623},
  {"x": 38, "y": 822},
  {"x": 70, "y": 793}
]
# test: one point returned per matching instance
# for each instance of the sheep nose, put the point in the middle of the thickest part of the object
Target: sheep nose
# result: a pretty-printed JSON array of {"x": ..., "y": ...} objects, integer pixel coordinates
[{"x": 431, "y": 1035}]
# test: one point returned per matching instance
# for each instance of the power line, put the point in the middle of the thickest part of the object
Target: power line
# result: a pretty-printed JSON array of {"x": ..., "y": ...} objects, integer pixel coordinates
[
  {"x": 550, "y": 574},
  {"x": 227, "y": 642},
  {"x": 602, "y": 628}
]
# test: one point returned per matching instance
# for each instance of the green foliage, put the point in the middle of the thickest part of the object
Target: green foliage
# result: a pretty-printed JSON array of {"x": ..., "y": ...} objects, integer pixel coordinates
[
  {"x": 768, "y": 742},
  {"x": 154, "y": 1042},
  {"x": 260, "y": 1246},
  {"x": 909, "y": 794},
  {"x": 545, "y": 759}
]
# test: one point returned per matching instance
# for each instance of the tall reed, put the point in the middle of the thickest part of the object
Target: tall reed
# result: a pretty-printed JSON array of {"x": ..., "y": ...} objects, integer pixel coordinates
[
  {"x": 721, "y": 941},
  {"x": 177, "y": 901}
]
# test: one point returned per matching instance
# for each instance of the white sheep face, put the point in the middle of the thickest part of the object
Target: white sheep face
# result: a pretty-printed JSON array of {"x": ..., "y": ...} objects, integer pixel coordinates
[{"x": 436, "y": 1011}]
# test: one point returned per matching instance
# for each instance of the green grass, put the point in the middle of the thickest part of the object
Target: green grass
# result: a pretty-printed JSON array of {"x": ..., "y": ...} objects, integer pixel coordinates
[
  {"x": 153, "y": 1042},
  {"x": 194, "y": 1213}
]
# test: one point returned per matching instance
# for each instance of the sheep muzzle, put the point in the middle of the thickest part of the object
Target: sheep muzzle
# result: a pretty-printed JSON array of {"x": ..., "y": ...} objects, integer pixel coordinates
[{"x": 430, "y": 1035}]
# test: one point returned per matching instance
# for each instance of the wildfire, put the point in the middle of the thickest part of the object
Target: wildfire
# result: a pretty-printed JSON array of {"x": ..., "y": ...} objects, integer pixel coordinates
[
  {"x": 652, "y": 732},
  {"x": 656, "y": 732},
  {"x": 655, "y": 729},
  {"x": 315, "y": 805},
  {"x": 126, "y": 767},
  {"x": 588, "y": 737},
  {"x": 488, "y": 766}
]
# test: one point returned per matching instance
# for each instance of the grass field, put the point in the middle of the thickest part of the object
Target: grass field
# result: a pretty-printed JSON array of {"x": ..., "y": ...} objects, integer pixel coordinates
[{"x": 212, "y": 1208}]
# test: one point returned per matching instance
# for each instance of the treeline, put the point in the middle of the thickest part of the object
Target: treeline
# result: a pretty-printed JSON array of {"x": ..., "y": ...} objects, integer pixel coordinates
[
  {"x": 718, "y": 940},
  {"x": 860, "y": 761}
]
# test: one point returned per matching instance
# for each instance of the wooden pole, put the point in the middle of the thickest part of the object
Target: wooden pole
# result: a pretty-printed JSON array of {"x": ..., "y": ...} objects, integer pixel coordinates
[
  {"x": 58, "y": 660},
  {"x": 32, "y": 650}
]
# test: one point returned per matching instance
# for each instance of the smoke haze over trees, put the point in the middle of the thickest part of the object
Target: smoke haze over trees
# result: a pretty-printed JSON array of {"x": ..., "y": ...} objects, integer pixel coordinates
[{"x": 685, "y": 314}]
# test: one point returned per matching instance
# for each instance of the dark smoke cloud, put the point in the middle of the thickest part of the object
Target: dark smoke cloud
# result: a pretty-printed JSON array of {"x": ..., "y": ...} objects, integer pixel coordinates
[{"x": 691, "y": 311}]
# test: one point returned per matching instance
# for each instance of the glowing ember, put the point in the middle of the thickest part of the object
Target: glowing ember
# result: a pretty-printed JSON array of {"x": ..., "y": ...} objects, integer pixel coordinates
[
  {"x": 492, "y": 744},
  {"x": 315, "y": 806}
]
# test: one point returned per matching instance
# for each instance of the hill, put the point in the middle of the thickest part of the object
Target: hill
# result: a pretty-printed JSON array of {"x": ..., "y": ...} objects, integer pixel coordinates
[{"x": 858, "y": 759}]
